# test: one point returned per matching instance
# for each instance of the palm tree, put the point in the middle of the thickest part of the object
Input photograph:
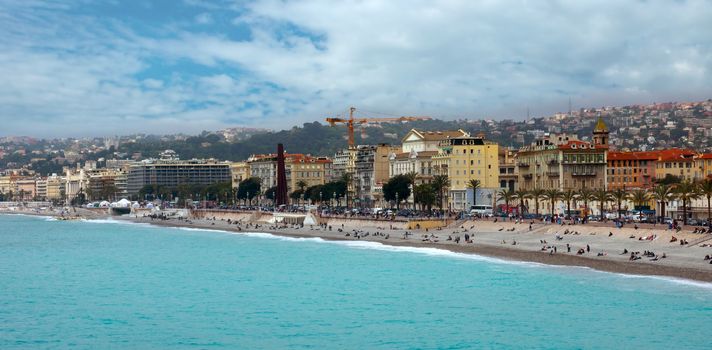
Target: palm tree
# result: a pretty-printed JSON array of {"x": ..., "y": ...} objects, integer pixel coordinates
[
  {"x": 552, "y": 195},
  {"x": 474, "y": 184},
  {"x": 346, "y": 178},
  {"x": 686, "y": 191},
  {"x": 619, "y": 195},
  {"x": 569, "y": 196},
  {"x": 520, "y": 195},
  {"x": 505, "y": 195},
  {"x": 536, "y": 194},
  {"x": 440, "y": 183},
  {"x": 603, "y": 197},
  {"x": 706, "y": 190},
  {"x": 585, "y": 195},
  {"x": 301, "y": 184},
  {"x": 412, "y": 176},
  {"x": 662, "y": 193},
  {"x": 639, "y": 197}
]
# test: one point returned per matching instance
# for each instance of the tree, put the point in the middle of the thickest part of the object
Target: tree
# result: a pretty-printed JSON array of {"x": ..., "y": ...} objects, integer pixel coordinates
[
  {"x": 705, "y": 188},
  {"x": 440, "y": 183},
  {"x": 585, "y": 195},
  {"x": 425, "y": 195},
  {"x": 662, "y": 194},
  {"x": 346, "y": 178},
  {"x": 396, "y": 189},
  {"x": 602, "y": 197},
  {"x": 669, "y": 179},
  {"x": 474, "y": 184},
  {"x": 686, "y": 191},
  {"x": 301, "y": 185},
  {"x": 639, "y": 197},
  {"x": 619, "y": 195},
  {"x": 536, "y": 194},
  {"x": 412, "y": 176},
  {"x": 569, "y": 196},
  {"x": 249, "y": 188},
  {"x": 552, "y": 195},
  {"x": 521, "y": 195},
  {"x": 505, "y": 195},
  {"x": 271, "y": 193},
  {"x": 296, "y": 195}
]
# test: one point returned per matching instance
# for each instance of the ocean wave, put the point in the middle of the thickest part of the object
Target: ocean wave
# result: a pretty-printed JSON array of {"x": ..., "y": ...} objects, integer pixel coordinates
[{"x": 428, "y": 251}]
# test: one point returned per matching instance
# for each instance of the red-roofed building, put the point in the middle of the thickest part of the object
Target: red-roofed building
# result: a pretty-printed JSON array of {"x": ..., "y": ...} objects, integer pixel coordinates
[
  {"x": 299, "y": 167},
  {"x": 676, "y": 162},
  {"x": 563, "y": 162},
  {"x": 631, "y": 169}
]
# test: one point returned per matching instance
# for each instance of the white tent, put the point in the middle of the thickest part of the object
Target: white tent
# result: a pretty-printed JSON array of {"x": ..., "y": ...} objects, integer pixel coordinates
[{"x": 123, "y": 203}]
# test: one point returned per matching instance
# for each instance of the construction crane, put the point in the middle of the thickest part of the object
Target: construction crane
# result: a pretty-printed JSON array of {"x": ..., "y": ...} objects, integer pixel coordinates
[{"x": 352, "y": 121}]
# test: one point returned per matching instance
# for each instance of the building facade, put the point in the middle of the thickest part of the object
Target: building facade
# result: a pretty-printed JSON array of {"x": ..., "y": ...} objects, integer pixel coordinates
[
  {"x": 464, "y": 159},
  {"x": 561, "y": 161},
  {"x": 173, "y": 172},
  {"x": 631, "y": 169}
]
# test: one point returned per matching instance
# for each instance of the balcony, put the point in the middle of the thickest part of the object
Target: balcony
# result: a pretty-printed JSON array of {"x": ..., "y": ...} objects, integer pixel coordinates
[
  {"x": 583, "y": 173},
  {"x": 552, "y": 173},
  {"x": 553, "y": 162},
  {"x": 528, "y": 176},
  {"x": 523, "y": 165}
]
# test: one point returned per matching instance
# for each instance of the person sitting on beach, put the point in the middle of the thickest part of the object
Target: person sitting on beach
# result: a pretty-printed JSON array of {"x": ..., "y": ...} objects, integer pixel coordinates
[
  {"x": 707, "y": 257},
  {"x": 610, "y": 234},
  {"x": 673, "y": 239},
  {"x": 580, "y": 251},
  {"x": 625, "y": 251}
]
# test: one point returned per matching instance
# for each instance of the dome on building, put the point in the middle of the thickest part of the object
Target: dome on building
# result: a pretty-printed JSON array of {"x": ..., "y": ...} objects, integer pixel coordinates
[{"x": 600, "y": 126}]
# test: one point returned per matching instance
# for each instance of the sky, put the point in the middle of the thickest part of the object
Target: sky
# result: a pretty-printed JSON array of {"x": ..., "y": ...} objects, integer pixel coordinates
[{"x": 98, "y": 68}]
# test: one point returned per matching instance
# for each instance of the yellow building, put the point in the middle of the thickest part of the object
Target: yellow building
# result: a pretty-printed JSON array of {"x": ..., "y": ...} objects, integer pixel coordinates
[
  {"x": 6, "y": 185},
  {"x": 703, "y": 166},
  {"x": 676, "y": 162},
  {"x": 55, "y": 187},
  {"x": 468, "y": 158},
  {"x": 311, "y": 170},
  {"x": 239, "y": 171}
]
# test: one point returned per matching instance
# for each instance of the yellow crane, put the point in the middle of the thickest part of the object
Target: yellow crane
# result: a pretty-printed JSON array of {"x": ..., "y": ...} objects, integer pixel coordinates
[{"x": 352, "y": 121}]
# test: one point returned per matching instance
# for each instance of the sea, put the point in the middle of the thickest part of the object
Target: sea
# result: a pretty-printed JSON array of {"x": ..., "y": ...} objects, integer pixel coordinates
[{"x": 108, "y": 284}]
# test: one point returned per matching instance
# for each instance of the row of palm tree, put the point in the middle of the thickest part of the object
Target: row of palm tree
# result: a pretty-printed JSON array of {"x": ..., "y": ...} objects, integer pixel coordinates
[{"x": 685, "y": 191}]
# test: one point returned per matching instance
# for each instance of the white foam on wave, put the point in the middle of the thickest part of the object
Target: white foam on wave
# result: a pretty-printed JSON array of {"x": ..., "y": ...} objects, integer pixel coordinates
[{"x": 436, "y": 252}]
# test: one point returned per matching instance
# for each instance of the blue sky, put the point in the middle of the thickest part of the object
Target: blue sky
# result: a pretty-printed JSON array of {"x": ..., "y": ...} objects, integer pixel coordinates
[{"x": 81, "y": 67}]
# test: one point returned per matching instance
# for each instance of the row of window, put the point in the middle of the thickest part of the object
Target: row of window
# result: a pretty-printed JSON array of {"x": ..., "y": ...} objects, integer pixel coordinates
[
  {"x": 624, "y": 171},
  {"x": 669, "y": 165},
  {"x": 583, "y": 158}
]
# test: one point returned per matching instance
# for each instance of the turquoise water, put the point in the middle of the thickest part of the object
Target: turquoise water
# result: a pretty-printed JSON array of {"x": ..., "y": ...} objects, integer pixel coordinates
[{"x": 107, "y": 285}]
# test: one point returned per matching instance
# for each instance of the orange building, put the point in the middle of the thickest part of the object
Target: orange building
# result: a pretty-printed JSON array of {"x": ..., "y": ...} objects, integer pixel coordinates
[{"x": 631, "y": 169}]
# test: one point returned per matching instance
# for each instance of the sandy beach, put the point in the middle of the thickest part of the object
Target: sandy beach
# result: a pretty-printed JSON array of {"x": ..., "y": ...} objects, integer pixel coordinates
[{"x": 599, "y": 246}]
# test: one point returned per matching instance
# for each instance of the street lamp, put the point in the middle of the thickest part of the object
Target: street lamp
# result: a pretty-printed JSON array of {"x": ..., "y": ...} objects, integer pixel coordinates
[
  {"x": 320, "y": 198},
  {"x": 335, "y": 199},
  {"x": 248, "y": 199},
  {"x": 396, "y": 200}
]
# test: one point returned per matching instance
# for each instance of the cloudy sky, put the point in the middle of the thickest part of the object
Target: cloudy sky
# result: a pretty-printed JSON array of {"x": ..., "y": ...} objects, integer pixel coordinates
[{"x": 82, "y": 67}]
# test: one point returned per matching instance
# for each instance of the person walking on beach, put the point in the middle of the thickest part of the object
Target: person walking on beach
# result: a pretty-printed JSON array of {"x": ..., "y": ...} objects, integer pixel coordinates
[{"x": 588, "y": 248}]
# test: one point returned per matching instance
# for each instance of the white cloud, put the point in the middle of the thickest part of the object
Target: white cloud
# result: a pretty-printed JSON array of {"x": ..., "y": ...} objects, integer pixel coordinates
[
  {"x": 305, "y": 60},
  {"x": 204, "y": 18}
]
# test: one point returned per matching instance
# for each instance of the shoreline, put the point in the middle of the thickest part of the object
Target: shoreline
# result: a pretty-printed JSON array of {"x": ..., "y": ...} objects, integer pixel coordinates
[
  {"x": 612, "y": 263},
  {"x": 493, "y": 251}
]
